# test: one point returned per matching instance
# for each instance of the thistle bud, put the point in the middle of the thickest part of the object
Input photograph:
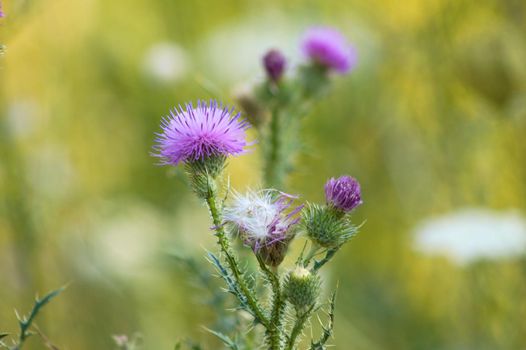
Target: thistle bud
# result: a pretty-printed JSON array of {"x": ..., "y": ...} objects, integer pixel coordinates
[
  {"x": 326, "y": 227},
  {"x": 343, "y": 193},
  {"x": 302, "y": 288},
  {"x": 274, "y": 63}
]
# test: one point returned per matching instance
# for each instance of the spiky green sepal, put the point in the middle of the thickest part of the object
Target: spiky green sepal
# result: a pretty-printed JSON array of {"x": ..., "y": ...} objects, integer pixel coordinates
[{"x": 327, "y": 227}]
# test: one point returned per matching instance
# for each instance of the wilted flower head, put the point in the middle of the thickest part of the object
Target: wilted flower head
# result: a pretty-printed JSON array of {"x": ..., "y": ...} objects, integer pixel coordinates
[
  {"x": 264, "y": 220},
  {"x": 328, "y": 47},
  {"x": 343, "y": 193},
  {"x": 274, "y": 63},
  {"x": 197, "y": 133}
]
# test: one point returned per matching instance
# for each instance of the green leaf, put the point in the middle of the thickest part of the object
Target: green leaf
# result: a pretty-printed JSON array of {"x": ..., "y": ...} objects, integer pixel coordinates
[
  {"x": 224, "y": 338},
  {"x": 231, "y": 284},
  {"x": 26, "y": 321}
]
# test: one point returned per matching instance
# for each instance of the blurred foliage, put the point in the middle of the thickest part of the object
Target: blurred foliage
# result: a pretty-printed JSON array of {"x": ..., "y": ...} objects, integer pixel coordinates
[{"x": 433, "y": 119}]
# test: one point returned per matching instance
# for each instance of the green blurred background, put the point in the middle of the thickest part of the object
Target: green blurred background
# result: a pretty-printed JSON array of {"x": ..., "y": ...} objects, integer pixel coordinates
[{"x": 432, "y": 121}]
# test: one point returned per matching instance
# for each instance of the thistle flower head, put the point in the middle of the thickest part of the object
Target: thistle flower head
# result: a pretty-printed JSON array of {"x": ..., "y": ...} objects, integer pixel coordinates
[
  {"x": 328, "y": 47},
  {"x": 265, "y": 221},
  {"x": 198, "y": 133},
  {"x": 343, "y": 193},
  {"x": 274, "y": 63}
]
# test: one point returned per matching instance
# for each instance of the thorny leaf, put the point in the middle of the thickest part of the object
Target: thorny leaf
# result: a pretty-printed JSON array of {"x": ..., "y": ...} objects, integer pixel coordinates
[{"x": 224, "y": 338}]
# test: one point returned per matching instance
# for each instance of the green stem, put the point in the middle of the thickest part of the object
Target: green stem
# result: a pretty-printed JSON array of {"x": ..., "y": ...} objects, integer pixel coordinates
[
  {"x": 232, "y": 261},
  {"x": 278, "y": 307},
  {"x": 298, "y": 327},
  {"x": 328, "y": 256},
  {"x": 312, "y": 253},
  {"x": 274, "y": 166}
]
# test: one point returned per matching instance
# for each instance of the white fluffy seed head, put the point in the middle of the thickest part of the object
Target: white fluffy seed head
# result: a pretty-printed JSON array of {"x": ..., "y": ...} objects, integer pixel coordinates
[{"x": 253, "y": 213}]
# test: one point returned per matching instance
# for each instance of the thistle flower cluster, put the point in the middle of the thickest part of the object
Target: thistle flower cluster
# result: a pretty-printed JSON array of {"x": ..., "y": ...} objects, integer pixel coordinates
[
  {"x": 204, "y": 136},
  {"x": 276, "y": 105}
]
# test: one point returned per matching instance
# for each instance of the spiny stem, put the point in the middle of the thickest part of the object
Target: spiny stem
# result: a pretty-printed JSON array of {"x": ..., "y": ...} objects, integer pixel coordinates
[
  {"x": 298, "y": 327},
  {"x": 232, "y": 261},
  {"x": 278, "y": 307}
]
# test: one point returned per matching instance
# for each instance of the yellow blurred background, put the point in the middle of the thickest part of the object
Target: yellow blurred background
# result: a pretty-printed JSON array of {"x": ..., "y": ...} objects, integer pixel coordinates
[{"x": 432, "y": 123}]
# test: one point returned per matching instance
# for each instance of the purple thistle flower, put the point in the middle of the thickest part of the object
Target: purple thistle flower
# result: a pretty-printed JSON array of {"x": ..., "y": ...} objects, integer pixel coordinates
[
  {"x": 1, "y": 12},
  {"x": 198, "y": 133},
  {"x": 328, "y": 47},
  {"x": 274, "y": 63},
  {"x": 265, "y": 221},
  {"x": 343, "y": 193}
]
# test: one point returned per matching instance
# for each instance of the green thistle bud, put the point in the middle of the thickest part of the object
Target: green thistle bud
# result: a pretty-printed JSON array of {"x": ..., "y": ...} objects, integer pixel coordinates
[
  {"x": 202, "y": 174},
  {"x": 302, "y": 289},
  {"x": 326, "y": 226}
]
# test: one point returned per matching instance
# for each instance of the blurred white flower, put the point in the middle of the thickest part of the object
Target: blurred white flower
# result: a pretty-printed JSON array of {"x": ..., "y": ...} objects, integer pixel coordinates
[
  {"x": 22, "y": 117},
  {"x": 116, "y": 238},
  {"x": 473, "y": 234},
  {"x": 126, "y": 242},
  {"x": 166, "y": 62},
  {"x": 50, "y": 172}
]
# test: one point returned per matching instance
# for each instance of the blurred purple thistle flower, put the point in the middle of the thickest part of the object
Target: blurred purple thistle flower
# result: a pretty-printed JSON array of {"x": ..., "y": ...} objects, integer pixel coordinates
[
  {"x": 274, "y": 63},
  {"x": 328, "y": 47},
  {"x": 198, "y": 133},
  {"x": 343, "y": 193}
]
